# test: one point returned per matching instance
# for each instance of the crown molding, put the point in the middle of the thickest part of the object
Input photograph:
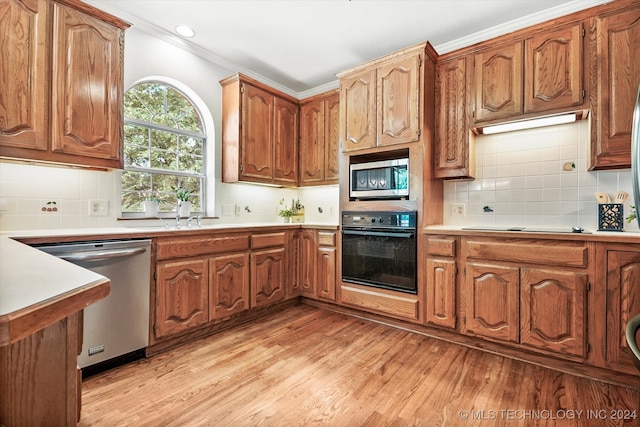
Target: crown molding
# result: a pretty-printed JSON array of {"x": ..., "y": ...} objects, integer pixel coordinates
[
  {"x": 498, "y": 30},
  {"x": 518, "y": 24}
]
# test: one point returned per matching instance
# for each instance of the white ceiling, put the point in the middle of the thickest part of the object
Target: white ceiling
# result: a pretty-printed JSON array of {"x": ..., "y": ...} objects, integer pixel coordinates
[{"x": 300, "y": 45}]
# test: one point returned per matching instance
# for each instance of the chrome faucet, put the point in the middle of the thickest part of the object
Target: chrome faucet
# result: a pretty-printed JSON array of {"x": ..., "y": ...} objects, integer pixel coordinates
[
  {"x": 197, "y": 218},
  {"x": 178, "y": 221}
]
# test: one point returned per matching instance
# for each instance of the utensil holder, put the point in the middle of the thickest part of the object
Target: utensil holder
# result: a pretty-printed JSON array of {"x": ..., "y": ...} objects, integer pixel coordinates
[{"x": 610, "y": 217}]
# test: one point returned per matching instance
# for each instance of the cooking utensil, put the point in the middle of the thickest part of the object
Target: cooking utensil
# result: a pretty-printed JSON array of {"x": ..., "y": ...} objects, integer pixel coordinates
[
  {"x": 621, "y": 197},
  {"x": 602, "y": 197}
]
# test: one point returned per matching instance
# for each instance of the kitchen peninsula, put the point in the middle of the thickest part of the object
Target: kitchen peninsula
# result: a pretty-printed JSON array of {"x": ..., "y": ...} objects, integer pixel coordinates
[{"x": 41, "y": 303}]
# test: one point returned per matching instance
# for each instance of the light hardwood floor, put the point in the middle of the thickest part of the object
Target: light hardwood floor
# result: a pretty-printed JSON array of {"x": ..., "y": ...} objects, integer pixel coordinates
[{"x": 308, "y": 366}]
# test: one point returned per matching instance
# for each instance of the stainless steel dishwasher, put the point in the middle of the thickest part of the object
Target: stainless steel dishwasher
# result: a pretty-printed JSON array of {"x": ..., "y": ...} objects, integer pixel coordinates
[{"x": 116, "y": 328}]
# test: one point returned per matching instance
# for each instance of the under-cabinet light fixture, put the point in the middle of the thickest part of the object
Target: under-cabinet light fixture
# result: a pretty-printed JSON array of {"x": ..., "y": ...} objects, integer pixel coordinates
[
  {"x": 185, "y": 31},
  {"x": 530, "y": 124}
]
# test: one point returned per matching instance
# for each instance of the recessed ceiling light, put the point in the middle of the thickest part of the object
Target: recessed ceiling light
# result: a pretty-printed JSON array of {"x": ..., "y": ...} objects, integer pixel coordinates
[{"x": 185, "y": 31}]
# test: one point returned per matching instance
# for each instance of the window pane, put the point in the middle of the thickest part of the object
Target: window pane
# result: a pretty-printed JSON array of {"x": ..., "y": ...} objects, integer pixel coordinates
[
  {"x": 154, "y": 146},
  {"x": 139, "y": 181}
]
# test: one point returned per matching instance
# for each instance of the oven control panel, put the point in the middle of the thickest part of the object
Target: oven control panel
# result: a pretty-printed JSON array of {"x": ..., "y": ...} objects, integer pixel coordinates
[{"x": 396, "y": 219}]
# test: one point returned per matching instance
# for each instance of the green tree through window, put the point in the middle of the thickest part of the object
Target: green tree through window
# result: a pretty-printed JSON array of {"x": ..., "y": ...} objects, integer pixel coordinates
[{"x": 164, "y": 148}]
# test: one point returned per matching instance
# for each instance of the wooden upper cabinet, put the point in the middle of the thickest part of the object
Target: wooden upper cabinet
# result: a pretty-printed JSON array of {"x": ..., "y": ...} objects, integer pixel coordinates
[
  {"x": 285, "y": 143},
  {"x": 615, "y": 40},
  {"x": 319, "y": 140},
  {"x": 398, "y": 112},
  {"x": 259, "y": 133},
  {"x": 62, "y": 100},
  {"x": 358, "y": 110},
  {"x": 454, "y": 144},
  {"x": 332, "y": 138},
  {"x": 24, "y": 99},
  {"x": 87, "y": 91},
  {"x": 498, "y": 82},
  {"x": 380, "y": 101},
  {"x": 312, "y": 141},
  {"x": 553, "y": 70}
]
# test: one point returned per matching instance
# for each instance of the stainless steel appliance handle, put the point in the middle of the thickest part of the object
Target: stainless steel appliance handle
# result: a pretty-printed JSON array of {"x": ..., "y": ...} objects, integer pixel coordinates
[
  {"x": 635, "y": 156},
  {"x": 102, "y": 255},
  {"x": 378, "y": 233}
]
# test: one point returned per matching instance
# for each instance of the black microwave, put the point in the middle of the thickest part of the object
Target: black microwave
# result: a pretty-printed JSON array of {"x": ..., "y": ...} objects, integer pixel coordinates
[{"x": 385, "y": 179}]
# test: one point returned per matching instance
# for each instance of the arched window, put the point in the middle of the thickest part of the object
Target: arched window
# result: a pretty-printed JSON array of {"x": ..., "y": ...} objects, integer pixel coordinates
[{"x": 164, "y": 148}]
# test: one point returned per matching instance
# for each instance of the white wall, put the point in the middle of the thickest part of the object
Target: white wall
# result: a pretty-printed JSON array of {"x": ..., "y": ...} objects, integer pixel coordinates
[
  {"x": 26, "y": 188},
  {"x": 520, "y": 176}
]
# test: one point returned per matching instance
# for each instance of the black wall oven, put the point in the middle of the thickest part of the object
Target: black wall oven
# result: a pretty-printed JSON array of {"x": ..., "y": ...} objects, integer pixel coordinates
[{"x": 379, "y": 249}]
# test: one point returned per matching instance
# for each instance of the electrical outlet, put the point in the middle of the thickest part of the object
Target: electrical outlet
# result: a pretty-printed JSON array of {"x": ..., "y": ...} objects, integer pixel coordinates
[
  {"x": 98, "y": 207},
  {"x": 458, "y": 209}
]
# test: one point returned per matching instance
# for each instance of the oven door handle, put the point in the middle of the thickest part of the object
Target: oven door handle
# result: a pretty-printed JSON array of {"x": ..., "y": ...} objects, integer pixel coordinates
[{"x": 402, "y": 235}]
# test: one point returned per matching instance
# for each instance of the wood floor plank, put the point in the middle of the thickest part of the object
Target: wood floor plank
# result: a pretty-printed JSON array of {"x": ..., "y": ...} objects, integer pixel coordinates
[{"x": 308, "y": 366}]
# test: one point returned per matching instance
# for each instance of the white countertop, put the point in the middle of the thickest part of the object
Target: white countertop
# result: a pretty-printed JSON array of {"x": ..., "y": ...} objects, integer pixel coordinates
[{"x": 29, "y": 276}]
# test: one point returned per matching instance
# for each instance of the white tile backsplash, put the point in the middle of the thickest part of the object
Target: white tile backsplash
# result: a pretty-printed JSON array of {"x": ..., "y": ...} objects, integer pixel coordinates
[
  {"x": 25, "y": 189},
  {"x": 520, "y": 176}
]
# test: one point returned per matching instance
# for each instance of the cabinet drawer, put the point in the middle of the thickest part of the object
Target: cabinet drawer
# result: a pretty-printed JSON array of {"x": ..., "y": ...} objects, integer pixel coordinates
[
  {"x": 326, "y": 238},
  {"x": 268, "y": 240},
  {"x": 443, "y": 246},
  {"x": 393, "y": 305},
  {"x": 529, "y": 251},
  {"x": 194, "y": 246}
]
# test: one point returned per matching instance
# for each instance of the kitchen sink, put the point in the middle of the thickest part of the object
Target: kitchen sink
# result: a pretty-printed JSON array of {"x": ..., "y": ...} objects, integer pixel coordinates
[{"x": 529, "y": 230}]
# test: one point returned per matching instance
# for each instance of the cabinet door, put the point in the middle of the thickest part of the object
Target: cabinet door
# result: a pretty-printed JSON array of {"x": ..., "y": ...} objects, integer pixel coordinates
[
  {"x": 332, "y": 138},
  {"x": 267, "y": 277},
  {"x": 498, "y": 82},
  {"x": 308, "y": 248},
  {"x": 491, "y": 301},
  {"x": 455, "y": 157},
  {"x": 441, "y": 292},
  {"x": 285, "y": 143},
  {"x": 87, "y": 91},
  {"x": 25, "y": 80},
  {"x": 257, "y": 133},
  {"x": 228, "y": 285},
  {"x": 618, "y": 70},
  {"x": 623, "y": 303},
  {"x": 398, "y": 86},
  {"x": 312, "y": 142},
  {"x": 326, "y": 278},
  {"x": 552, "y": 315},
  {"x": 553, "y": 64},
  {"x": 358, "y": 111},
  {"x": 294, "y": 263},
  {"x": 182, "y": 294}
]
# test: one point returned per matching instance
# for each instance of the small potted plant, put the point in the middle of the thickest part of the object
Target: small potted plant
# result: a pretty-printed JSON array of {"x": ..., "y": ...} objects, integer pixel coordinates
[
  {"x": 151, "y": 206},
  {"x": 285, "y": 213},
  {"x": 184, "y": 204}
]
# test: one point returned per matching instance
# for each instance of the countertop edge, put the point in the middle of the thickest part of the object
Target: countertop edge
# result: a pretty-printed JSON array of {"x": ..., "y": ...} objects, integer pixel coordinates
[{"x": 597, "y": 236}]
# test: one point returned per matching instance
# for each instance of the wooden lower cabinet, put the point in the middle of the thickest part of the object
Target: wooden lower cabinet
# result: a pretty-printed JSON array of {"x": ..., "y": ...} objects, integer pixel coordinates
[
  {"x": 182, "y": 295},
  {"x": 267, "y": 276},
  {"x": 308, "y": 249},
  {"x": 623, "y": 303},
  {"x": 553, "y": 310},
  {"x": 326, "y": 273},
  {"x": 228, "y": 285},
  {"x": 441, "y": 292},
  {"x": 491, "y": 297}
]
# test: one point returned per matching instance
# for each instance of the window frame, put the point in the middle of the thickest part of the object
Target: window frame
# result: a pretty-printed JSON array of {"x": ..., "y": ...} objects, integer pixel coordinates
[{"x": 206, "y": 122}]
